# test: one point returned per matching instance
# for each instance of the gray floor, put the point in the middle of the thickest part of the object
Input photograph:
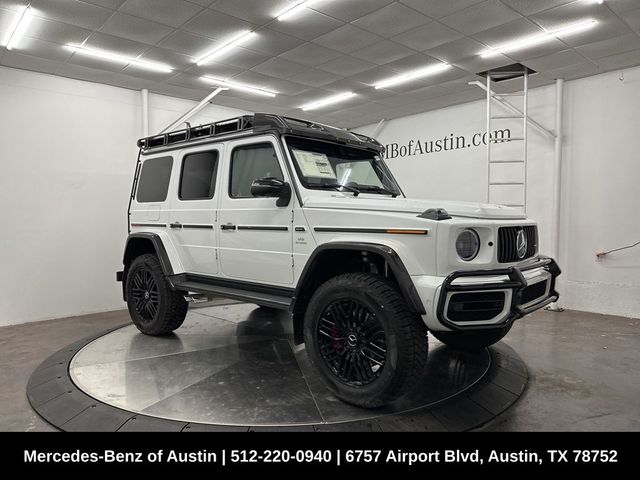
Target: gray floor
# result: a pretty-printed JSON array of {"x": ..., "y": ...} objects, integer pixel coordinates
[
  {"x": 238, "y": 365},
  {"x": 583, "y": 368}
]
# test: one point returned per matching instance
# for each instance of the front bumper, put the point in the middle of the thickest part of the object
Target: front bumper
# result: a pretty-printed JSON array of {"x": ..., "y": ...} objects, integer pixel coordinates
[{"x": 483, "y": 299}]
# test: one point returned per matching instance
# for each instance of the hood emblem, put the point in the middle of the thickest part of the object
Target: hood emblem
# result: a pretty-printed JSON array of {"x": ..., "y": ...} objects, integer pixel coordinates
[{"x": 521, "y": 244}]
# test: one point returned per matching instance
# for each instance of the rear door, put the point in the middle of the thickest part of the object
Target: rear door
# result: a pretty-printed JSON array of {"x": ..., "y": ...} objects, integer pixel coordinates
[
  {"x": 255, "y": 235},
  {"x": 193, "y": 212}
]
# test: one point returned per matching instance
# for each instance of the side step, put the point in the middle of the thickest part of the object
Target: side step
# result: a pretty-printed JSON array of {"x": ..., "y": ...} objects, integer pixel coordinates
[{"x": 262, "y": 295}]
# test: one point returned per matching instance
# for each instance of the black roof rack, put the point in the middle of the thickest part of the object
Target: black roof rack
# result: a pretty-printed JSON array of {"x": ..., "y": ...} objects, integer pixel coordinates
[{"x": 259, "y": 123}]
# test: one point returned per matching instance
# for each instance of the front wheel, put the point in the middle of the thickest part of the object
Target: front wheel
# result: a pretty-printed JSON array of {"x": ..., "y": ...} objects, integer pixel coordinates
[
  {"x": 472, "y": 340},
  {"x": 363, "y": 340},
  {"x": 155, "y": 308}
]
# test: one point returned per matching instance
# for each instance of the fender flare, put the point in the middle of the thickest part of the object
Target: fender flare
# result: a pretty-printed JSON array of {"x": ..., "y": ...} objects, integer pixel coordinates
[
  {"x": 158, "y": 246},
  {"x": 407, "y": 288},
  {"x": 160, "y": 251}
]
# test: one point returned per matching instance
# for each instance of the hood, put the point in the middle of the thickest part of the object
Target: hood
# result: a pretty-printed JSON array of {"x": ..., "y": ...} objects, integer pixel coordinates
[{"x": 410, "y": 205}]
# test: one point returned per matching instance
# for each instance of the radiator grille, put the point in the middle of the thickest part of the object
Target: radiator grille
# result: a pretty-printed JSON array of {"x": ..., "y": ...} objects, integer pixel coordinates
[{"x": 507, "y": 243}]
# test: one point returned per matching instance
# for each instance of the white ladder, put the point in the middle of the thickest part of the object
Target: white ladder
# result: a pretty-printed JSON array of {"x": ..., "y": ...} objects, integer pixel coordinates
[{"x": 511, "y": 192}]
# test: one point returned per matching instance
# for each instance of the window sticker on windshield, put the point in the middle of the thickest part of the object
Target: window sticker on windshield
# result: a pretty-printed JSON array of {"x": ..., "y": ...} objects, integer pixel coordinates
[{"x": 314, "y": 164}]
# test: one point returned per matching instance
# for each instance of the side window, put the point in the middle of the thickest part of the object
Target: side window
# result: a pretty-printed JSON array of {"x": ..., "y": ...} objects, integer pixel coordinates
[
  {"x": 198, "y": 177},
  {"x": 249, "y": 163},
  {"x": 154, "y": 180}
]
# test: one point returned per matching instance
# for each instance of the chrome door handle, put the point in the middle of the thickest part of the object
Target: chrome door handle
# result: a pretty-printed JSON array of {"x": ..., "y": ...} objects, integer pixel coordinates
[{"x": 228, "y": 226}]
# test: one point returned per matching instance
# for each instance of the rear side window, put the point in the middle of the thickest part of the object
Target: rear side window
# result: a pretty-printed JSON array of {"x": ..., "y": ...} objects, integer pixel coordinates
[
  {"x": 249, "y": 163},
  {"x": 198, "y": 178},
  {"x": 154, "y": 180}
]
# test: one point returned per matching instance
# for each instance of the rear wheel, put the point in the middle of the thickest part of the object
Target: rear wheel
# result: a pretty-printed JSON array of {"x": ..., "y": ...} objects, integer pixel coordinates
[
  {"x": 472, "y": 340},
  {"x": 363, "y": 340},
  {"x": 155, "y": 308}
]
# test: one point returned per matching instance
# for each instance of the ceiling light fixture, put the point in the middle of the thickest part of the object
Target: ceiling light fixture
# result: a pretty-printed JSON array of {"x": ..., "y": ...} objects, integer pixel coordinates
[
  {"x": 328, "y": 101},
  {"x": 116, "y": 58},
  {"x": 406, "y": 77},
  {"x": 238, "y": 86},
  {"x": 18, "y": 27},
  {"x": 216, "y": 52},
  {"x": 537, "y": 39},
  {"x": 297, "y": 8}
]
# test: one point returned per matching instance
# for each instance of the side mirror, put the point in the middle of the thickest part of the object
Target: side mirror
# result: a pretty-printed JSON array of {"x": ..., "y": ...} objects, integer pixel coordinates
[{"x": 272, "y": 187}]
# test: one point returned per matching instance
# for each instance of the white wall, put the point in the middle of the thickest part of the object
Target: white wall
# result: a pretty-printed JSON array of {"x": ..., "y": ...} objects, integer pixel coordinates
[
  {"x": 67, "y": 156},
  {"x": 600, "y": 199}
]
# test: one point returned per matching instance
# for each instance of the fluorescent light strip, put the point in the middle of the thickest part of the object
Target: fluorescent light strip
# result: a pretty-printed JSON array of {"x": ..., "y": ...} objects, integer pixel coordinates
[
  {"x": 18, "y": 27},
  {"x": 296, "y": 9},
  {"x": 116, "y": 58},
  {"x": 537, "y": 39},
  {"x": 238, "y": 39},
  {"x": 328, "y": 101},
  {"x": 407, "y": 77},
  {"x": 238, "y": 86}
]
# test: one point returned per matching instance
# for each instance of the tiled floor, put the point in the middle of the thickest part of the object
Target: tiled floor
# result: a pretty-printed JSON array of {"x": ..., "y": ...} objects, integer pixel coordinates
[
  {"x": 583, "y": 368},
  {"x": 237, "y": 365}
]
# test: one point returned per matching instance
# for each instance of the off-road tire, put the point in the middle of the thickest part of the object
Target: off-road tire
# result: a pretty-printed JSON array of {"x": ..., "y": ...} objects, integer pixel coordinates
[
  {"x": 405, "y": 337},
  {"x": 472, "y": 340},
  {"x": 170, "y": 306}
]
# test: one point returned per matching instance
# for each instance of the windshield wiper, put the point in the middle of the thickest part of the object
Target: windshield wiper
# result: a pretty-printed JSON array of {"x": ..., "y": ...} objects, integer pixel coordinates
[
  {"x": 337, "y": 186},
  {"x": 375, "y": 188}
]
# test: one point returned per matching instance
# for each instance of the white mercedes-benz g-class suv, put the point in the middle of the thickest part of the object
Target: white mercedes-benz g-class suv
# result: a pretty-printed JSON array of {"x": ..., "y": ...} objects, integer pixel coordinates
[{"x": 294, "y": 215}]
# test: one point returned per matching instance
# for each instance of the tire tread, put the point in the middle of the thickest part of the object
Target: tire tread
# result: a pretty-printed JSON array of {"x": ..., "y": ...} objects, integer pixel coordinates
[
  {"x": 412, "y": 342},
  {"x": 172, "y": 316}
]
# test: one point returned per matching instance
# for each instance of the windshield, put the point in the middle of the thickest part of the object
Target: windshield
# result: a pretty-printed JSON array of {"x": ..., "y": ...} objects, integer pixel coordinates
[{"x": 324, "y": 165}]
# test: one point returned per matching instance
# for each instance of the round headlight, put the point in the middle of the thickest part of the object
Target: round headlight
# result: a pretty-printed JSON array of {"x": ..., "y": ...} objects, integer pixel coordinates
[{"x": 468, "y": 245}]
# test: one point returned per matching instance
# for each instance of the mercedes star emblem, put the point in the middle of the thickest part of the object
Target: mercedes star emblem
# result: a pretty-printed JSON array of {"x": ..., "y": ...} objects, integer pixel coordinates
[{"x": 521, "y": 244}]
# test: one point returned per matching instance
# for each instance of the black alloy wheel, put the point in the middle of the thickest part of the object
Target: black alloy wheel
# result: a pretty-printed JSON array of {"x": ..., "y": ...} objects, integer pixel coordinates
[
  {"x": 363, "y": 341},
  {"x": 155, "y": 307},
  {"x": 352, "y": 342},
  {"x": 145, "y": 295}
]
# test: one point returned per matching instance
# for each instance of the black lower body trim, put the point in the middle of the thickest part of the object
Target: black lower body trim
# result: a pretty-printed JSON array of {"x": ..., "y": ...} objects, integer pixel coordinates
[
  {"x": 263, "y": 229},
  {"x": 277, "y": 297}
]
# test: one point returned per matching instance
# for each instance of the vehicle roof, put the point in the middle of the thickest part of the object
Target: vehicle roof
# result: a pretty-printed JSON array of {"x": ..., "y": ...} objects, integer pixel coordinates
[{"x": 250, "y": 125}]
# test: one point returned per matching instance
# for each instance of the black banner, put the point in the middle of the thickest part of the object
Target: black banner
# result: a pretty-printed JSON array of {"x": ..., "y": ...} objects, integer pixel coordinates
[{"x": 349, "y": 452}]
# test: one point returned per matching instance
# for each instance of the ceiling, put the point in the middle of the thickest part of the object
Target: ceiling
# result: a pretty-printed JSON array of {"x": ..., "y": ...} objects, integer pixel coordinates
[{"x": 332, "y": 47}]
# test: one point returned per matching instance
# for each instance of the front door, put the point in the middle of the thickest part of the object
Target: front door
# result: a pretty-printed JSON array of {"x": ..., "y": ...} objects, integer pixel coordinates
[
  {"x": 255, "y": 235},
  {"x": 193, "y": 212}
]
